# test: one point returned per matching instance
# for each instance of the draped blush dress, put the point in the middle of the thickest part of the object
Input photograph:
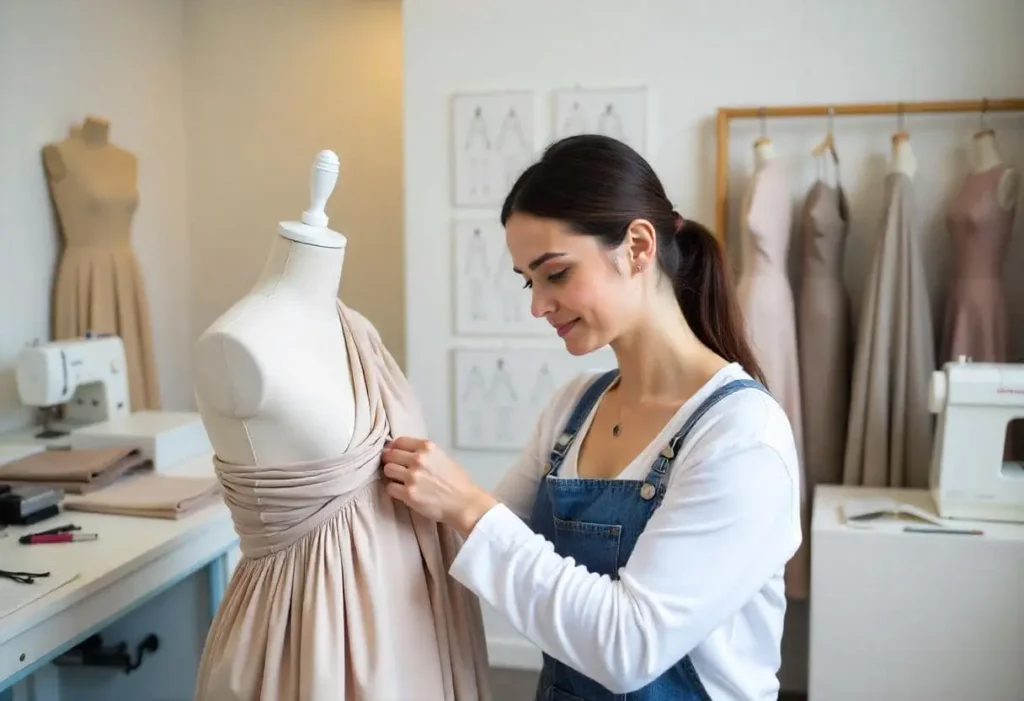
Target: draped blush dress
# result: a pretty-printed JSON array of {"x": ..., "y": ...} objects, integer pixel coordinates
[
  {"x": 766, "y": 302},
  {"x": 343, "y": 593}
]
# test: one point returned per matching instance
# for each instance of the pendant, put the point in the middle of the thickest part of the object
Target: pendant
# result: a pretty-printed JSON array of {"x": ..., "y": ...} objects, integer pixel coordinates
[{"x": 616, "y": 430}]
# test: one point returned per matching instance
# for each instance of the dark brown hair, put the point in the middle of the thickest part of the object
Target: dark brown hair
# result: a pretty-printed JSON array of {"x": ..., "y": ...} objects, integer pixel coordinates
[{"x": 597, "y": 186}]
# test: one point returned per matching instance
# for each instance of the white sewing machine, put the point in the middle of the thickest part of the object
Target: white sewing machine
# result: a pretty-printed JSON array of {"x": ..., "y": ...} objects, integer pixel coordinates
[
  {"x": 969, "y": 478},
  {"x": 88, "y": 377}
]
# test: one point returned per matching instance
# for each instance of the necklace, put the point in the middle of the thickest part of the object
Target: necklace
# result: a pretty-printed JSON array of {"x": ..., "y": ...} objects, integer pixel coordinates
[{"x": 617, "y": 428}]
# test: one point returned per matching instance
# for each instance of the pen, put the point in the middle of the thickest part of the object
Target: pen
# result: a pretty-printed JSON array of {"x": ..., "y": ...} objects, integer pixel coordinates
[
  {"x": 26, "y": 539},
  {"x": 61, "y": 538},
  {"x": 951, "y": 531}
]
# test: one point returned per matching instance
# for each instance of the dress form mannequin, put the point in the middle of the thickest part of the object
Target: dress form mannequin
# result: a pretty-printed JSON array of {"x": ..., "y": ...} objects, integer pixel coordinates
[
  {"x": 337, "y": 580},
  {"x": 273, "y": 384},
  {"x": 99, "y": 286},
  {"x": 903, "y": 159},
  {"x": 986, "y": 156}
]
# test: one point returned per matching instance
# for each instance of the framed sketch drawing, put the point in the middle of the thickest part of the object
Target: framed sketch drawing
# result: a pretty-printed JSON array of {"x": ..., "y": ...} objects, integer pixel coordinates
[
  {"x": 499, "y": 393},
  {"x": 489, "y": 296},
  {"x": 621, "y": 113},
  {"x": 493, "y": 140}
]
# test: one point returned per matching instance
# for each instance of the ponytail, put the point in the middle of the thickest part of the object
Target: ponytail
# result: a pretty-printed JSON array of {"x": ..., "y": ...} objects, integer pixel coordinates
[
  {"x": 598, "y": 186},
  {"x": 704, "y": 289}
]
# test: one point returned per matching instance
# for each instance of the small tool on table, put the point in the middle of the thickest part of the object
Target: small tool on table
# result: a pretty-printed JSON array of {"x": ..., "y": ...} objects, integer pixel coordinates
[
  {"x": 23, "y": 577},
  {"x": 61, "y": 534}
]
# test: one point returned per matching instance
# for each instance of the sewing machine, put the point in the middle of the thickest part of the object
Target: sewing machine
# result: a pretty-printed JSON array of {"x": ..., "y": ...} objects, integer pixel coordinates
[
  {"x": 969, "y": 478},
  {"x": 86, "y": 376}
]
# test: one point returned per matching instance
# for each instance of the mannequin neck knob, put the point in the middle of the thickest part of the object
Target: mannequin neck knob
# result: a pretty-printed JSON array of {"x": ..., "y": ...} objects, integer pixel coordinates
[{"x": 323, "y": 178}]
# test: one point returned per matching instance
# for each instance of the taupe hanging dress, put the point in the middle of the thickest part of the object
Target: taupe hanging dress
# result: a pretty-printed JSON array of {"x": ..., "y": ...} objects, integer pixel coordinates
[
  {"x": 889, "y": 438},
  {"x": 825, "y": 334}
]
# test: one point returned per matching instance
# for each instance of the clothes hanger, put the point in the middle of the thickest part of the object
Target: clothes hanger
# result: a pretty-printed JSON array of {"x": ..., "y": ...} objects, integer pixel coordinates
[
  {"x": 764, "y": 138},
  {"x": 983, "y": 128},
  {"x": 828, "y": 144},
  {"x": 901, "y": 133}
]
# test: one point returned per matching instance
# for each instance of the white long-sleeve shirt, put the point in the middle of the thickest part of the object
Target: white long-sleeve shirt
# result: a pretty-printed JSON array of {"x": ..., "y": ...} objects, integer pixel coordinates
[{"x": 706, "y": 576}]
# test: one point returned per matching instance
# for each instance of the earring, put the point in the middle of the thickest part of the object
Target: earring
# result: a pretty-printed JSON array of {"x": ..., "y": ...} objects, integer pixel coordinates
[{"x": 639, "y": 268}]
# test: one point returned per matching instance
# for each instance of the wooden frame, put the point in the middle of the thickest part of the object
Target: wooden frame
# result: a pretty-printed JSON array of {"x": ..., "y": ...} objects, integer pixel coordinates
[{"x": 727, "y": 114}]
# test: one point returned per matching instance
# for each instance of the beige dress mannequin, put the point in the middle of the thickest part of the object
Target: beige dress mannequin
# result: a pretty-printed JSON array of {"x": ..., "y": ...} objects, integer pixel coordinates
[
  {"x": 889, "y": 435},
  {"x": 824, "y": 334},
  {"x": 980, "y": 222},
  {"x": 766, "y": 302},
  {"x": 342, "y": 594},
  {"x": 99, "y": 287}
]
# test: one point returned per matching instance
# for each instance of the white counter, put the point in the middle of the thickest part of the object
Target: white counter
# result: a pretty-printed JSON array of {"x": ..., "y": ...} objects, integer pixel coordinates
[{"x": 913, "y": 616}]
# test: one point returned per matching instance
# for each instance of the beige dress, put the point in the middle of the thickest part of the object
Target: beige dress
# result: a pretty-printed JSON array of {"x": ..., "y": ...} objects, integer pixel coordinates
[
  {"x": 766, "y": 302},
  {"x": 976, "y": 319},
  {"x": 99, "y": 286},
  {"x": 889, "y": 436},
  {"x": 343, "y": 594},
  {"x": 824, "y": 334}
]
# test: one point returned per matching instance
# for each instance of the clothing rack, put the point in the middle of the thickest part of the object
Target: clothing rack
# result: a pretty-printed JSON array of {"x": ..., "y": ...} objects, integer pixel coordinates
[{"x": 727, "y": 114}]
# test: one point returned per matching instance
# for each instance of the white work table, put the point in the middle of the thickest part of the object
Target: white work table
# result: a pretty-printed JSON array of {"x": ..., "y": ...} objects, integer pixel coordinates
[
  {"x": 909, "y": 616},
  {"x": 134, "y": 560}
]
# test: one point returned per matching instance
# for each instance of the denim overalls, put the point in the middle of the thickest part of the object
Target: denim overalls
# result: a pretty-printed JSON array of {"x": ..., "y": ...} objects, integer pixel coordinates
[{"x": 597, "y": 522}]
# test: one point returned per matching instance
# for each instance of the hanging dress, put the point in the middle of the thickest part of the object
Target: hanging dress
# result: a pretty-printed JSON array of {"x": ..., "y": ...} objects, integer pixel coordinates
[
  {"x": 343, "y": 593},
  {"x": 976, "y": 318},
  {"x": 99, "y": 287},
  {"x": 766, "y": 302},
  {"x": 889, "y": 438},
  {"x": 977, "y": 323},
  {"x": 826, "y": 356}
]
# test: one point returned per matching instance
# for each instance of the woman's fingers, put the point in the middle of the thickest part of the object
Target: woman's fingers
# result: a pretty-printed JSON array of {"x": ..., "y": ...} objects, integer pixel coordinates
[
  {"x": 406, "y": 443},
  {"x": 395, "y": 472},
  {"x": 397, "y": 490},
  {"x": 400, "y": 457}
]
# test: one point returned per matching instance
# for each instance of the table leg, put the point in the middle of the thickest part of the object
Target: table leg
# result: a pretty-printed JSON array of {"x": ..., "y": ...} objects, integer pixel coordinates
[{"x": 217, "y": 571}]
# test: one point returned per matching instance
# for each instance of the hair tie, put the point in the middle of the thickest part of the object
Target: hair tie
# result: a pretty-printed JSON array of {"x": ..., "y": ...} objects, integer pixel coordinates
[{"x": 679, "y": 221}]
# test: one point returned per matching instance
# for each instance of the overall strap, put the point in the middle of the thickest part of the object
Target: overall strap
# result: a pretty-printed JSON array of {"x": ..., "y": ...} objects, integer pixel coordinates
[
  {"x": 658, "y": 475},
  {"x": 579, "y": 415}
]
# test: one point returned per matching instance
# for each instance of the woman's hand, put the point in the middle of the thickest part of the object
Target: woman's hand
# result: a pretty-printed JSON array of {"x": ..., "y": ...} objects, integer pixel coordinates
[{"x": 432, "y": 484}]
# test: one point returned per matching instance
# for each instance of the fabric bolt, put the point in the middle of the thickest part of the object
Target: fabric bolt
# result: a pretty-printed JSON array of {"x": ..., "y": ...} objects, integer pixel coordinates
[
  {"x": 769, "y": 314},
  {"x": 976, "y": 318},
  {"x": 342, "y": 592},
  {"x": 889, "y": 437}
]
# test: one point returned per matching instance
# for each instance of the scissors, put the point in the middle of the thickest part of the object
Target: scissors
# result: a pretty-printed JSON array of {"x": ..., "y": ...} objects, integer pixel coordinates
[{"x": 23, "y": 577}]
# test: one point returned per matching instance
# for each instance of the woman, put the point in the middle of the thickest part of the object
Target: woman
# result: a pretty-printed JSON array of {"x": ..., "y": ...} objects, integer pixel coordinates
[{"x": 640, "y": 540}]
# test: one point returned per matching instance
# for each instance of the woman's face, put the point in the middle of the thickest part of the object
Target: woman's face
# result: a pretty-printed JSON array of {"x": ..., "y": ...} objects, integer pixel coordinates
[{"x": 576, "y": 284}]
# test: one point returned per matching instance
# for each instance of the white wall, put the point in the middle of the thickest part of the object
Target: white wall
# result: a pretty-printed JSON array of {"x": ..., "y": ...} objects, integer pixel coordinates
[
  {"x": 60, "y": 61},
  {"x": 695, "y": 57},
  {"x": 267, "y": 86}
]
